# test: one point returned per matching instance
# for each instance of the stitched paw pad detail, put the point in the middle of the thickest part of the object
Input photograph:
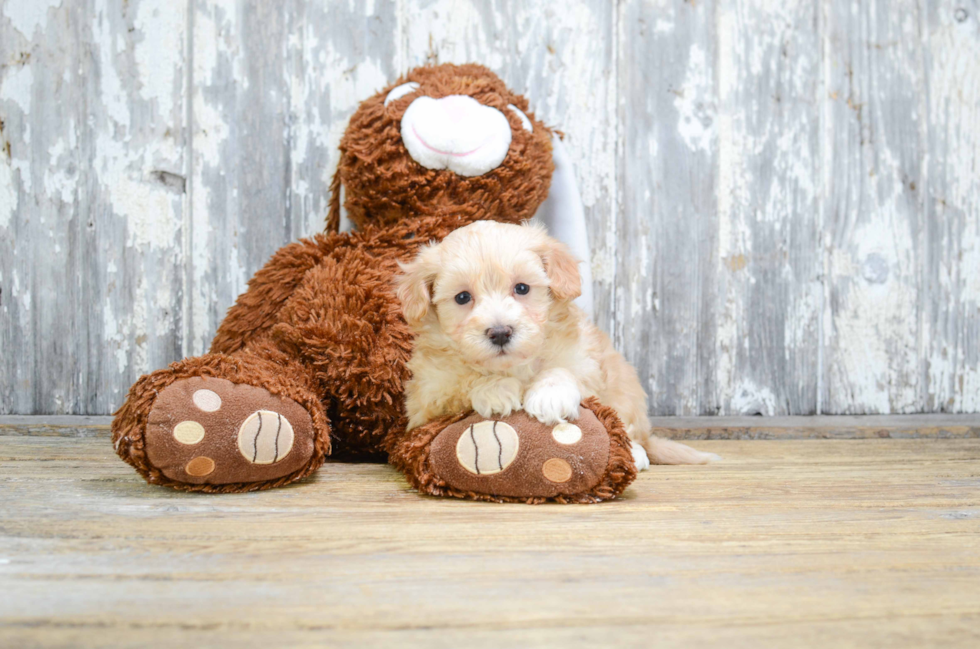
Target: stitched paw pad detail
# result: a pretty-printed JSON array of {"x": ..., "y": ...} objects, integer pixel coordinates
[
  {"x": 212, "y": 431},
  {"x": 518, "y": 456},
  {"x": 265, "y": 437},
  {"x": 487, "y": 447}
]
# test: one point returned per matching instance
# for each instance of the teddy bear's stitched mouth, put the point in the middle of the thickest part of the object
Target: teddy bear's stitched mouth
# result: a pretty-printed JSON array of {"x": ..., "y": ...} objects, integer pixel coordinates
[{"x": 440, "y": 152}]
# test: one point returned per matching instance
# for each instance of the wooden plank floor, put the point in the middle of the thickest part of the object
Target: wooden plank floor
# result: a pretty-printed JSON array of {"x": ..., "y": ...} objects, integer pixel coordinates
[{"x": 825, "y": 543}]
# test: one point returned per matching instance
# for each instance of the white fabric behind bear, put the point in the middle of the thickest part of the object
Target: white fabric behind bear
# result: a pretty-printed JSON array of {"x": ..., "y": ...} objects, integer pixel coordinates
[{"x": 563, "y": 215}]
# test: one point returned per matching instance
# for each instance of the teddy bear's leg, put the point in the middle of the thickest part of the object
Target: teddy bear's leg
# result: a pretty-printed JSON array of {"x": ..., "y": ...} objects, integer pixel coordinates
[
  {"x": 220, "y": 422},
  {"x": 343, "y": 323},
  {"x": 519, "y": 459}
]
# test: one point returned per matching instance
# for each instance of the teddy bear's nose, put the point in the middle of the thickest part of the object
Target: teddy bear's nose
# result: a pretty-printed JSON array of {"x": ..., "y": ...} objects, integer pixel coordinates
[
  {"x": 458, "y": 107},
  {"x": 456, "y": 133}
]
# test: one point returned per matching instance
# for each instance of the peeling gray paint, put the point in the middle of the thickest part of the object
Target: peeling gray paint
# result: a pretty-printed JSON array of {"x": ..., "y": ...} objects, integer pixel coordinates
[{"x": 783, "y": 197}]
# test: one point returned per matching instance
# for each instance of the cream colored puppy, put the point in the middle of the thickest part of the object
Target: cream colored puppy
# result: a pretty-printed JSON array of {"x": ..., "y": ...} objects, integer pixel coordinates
[{"x": 497, "y": 331}]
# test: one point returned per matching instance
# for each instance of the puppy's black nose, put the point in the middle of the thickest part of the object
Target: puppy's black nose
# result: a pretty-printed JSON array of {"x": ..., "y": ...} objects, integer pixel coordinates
[{"x": 500, "y": 335}]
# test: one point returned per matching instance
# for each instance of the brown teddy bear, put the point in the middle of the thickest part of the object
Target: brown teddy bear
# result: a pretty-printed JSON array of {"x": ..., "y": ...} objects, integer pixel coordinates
[{"x": 311, "y": 359}]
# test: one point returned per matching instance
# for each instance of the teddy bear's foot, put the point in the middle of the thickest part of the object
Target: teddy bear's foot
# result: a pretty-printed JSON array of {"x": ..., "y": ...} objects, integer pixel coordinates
[
  {"x": 210, "y": 431},
  {"x": 517, "y": 458}
]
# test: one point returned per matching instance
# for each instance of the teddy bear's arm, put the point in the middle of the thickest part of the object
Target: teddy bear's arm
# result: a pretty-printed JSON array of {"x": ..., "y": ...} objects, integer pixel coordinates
[{"x": 256, "y": 310}]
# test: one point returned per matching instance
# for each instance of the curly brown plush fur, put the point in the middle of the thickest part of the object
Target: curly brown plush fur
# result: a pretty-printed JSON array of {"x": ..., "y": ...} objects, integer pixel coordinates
[
  {"x": 384, "y": 185},
  {"x": 320, "y": 325}
]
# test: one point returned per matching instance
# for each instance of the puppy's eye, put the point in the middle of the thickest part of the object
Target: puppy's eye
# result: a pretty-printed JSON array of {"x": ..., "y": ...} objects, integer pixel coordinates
[
  {"x": 522, "y": 289},
  {"x": 463, "y": 298}
]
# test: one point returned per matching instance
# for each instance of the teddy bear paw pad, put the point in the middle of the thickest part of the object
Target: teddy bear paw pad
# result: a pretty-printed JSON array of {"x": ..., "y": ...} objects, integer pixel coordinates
[
  {"x": 498, "y": 441},
  {"x": 520, "y": 457},
  {"x": 205, "y": 430},
  {"x": 265, "y": 437},
  {"x": 566, "y": 433}
]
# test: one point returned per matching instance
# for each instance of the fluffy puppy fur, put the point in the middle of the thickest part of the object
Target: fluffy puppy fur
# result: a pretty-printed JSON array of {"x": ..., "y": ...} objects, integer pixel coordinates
[{"x": 496, "y": 330}]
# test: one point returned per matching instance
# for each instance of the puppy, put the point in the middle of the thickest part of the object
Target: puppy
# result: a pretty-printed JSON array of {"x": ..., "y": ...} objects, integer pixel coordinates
[{"x": 497, "y": 331}]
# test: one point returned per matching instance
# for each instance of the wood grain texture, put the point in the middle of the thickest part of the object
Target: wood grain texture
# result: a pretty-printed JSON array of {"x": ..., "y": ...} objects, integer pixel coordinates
[
  {"x": 790, "y": 544},
  {"x": 839, "y": 427},
  {"x": 666, "y": 227},
  {"x": 874, "y": 208},
  {"x": 92, "y": 200},
  {"x": 763, "y": 285},
  {"x": 950, "y": 318},
  {"x": 273, "y": 85},
  {"x": 783, "y": 197},
  {"x": 929, "y": 426}
]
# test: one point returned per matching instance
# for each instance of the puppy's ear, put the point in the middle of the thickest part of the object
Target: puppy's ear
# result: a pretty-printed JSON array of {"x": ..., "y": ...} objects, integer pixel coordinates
[
  {"x": 562, "y": 268},
  {"x": 414, "y": 286}
]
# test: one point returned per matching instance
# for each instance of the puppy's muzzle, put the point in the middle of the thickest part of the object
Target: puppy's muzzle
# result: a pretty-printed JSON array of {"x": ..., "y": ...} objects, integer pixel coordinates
[{"x": 500, "y": 335}]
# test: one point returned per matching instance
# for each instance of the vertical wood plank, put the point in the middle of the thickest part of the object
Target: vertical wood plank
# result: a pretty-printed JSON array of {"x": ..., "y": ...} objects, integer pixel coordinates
[
  {"x": 873, "y": 213},
  {"x": 951, "y": 308},
  {"x": 764, "y": 281},
  {"x": 561, "y": 56},
  {"x": 337, "y": 56},
  {"x": 91, "y": 199},
  {"x": 666, "y": 225},
  {"x": 274, "y": 84}
]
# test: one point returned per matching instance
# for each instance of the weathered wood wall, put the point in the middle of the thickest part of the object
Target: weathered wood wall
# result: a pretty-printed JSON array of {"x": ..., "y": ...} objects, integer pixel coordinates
[{"x": 783, "y": 196}]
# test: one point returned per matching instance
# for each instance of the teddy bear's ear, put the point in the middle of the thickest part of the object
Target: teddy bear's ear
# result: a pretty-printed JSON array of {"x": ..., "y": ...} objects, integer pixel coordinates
[
  {"x": 337, "y": 220},
  {"x": 333, "y": 211},
  {"x": 414, "y": 286},
  {"x": 563, "y": 216}
]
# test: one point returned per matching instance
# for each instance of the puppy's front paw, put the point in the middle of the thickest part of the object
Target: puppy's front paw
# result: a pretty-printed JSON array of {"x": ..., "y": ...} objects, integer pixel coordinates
[
  {"x": 499, "y": 398},
  {"x": 552, "y": 404},
  {"x": 640, "y": 457}
]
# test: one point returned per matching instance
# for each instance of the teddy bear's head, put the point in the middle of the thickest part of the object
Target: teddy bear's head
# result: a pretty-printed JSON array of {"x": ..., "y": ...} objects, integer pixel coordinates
[{"x": 446, "y": 140}]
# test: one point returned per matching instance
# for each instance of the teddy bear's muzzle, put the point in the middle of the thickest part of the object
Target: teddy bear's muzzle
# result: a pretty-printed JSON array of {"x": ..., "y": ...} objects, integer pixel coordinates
[{"x": 456, "y": 133}]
